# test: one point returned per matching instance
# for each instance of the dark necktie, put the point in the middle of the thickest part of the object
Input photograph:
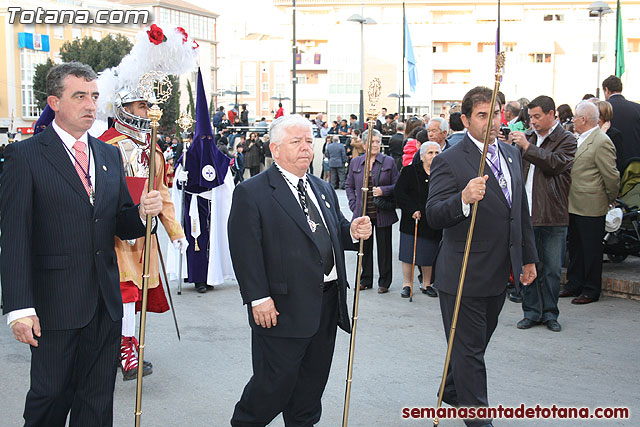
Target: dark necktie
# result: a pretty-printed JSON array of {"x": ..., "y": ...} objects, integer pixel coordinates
[{"x": 319, "y": 231}]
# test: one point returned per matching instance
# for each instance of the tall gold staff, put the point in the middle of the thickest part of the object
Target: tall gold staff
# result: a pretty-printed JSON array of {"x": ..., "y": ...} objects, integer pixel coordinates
[
  {"x": 463, "y": 271},
  {"x": 185, "y": 121},
  {"x": 156, "y": 87},
  {"x": 374, "y": 95}
]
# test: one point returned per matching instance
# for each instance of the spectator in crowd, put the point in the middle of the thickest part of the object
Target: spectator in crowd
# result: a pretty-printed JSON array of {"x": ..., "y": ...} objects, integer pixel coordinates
[
  {"x": 222, "y": 146},
  {"x": 353, "y": 122},
  {"x": 604, "y": 123},
  {"x": 334, "y": 129},
  {"x": 238, "y": 164},
  {"x": 233, "y": 113},
  {"x": 319, "y": 122},
  {"x": 511, "y": 111},
  {"x": 389, "y": 126},
  {"x": 382, "y": 179},
  {"x": 421, "y": 136},
  {"x": 457, "y": 129},
  {"x": 234, "y": 134},
  {"x": 625, "y": 118},
  {"x": 522, "y": 122},
  {"x": 217, "y": 119},
  {"x": 565, "y": 117},
  {"x": 383, "y": 115},
  {"x": 547, "y": 156},
  {"x": 356, "y": 143},
  {"x": 326, "y": 170},
  {"x": 337, "y": 156},
  {"x": 588, "y": 96},
  {"x": 280, "y": 111},
  {"x": 252, "y": 154},
  {"x": 262, "y": 123},
  {"x": 395, "y": 145},
  {"x": 344, "y": 131},
  {"x": 324, "y": 130},
  {"x": 411, "y": 193},
  {"x": 594, "y": 187},
  {"x": 244, "y": 115},
  {"x": 410, "y": 147},
  {"x": 176, "y": 149},
  {"x": 438, "y": 129},
  {"x": 268, "y": 158}
]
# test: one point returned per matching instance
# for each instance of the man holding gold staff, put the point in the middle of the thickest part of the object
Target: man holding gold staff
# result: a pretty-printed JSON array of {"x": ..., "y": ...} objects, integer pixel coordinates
[{"x": 503, "y": 242}]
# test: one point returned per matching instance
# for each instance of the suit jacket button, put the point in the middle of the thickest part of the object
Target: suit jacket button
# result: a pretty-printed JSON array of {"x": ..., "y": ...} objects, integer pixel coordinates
[
  {"x": 98, "y": 252},
  {"x": 96, "y": 220}
]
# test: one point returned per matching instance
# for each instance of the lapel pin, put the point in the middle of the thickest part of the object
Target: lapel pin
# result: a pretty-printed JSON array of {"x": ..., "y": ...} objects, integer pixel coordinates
[
  {"x": 327, "y": 204},
  {"x": 510, "y": 161},
  {"x": 104, "y": 167}
]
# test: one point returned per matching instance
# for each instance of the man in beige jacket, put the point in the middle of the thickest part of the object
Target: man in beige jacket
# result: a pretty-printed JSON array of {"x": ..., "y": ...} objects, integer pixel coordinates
[{"x": 594, "y": 186}]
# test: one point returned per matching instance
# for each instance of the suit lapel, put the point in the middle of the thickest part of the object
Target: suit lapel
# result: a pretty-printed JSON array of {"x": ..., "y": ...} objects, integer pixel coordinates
[
  {"x": 99, "y": 181},
  {"x": 57, "y": 155},
  {"x": 585, "y": 144},
  {"x": 283, "y": 196}
]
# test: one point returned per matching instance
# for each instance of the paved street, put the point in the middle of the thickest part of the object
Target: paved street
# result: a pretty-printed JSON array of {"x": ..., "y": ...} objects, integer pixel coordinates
[{"x": 594, "y": 361}]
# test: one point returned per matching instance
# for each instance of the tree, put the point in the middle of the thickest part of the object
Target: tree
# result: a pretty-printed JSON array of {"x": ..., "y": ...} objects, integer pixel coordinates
[
  {"x": 100, "y": 55},
  {"x": 191, "y": 108},
  {"x": 40, "y": 83},
  {"x": 171, "y": 110}
]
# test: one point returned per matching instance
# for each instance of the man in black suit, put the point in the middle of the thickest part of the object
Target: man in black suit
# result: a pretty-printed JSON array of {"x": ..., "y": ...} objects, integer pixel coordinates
[
  {"x": 626, "y": 118},
  {"x": 287, "y": 237},
  {"x": 63, "y": 198},
  {"x": 503, "y": 241}
]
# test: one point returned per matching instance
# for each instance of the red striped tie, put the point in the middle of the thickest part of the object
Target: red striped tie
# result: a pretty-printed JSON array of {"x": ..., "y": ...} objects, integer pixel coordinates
[{"x": 82, "y": 164}]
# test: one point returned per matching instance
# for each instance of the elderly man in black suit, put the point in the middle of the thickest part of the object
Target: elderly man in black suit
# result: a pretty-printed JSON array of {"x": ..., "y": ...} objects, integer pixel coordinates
[
  {"x": 626, "y": 118},
  {"x": 287, "y": 237},
  {"x": 63, "y": 199},
  {"x": 503, "y": 241}
]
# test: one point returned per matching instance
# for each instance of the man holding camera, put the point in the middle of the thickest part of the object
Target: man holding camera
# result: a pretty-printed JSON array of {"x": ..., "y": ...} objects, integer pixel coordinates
[{"x": 547, "y": 157}]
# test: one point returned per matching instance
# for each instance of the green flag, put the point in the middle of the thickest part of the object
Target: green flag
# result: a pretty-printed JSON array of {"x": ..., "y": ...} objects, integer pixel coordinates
[{"x": 619, "y": 43}]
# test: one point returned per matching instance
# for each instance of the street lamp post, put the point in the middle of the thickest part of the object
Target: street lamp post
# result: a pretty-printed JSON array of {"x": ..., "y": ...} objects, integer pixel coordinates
[
  {"x": 236, "y": 93},
  {"x": 401, "y": 96},
  {"x": 362, "y": 21},
  {"x": 599, "y": 8}
]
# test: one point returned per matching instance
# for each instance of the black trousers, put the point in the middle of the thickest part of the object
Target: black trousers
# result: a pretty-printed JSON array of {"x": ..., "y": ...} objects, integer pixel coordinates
[
  {"x": 383, "y": 242},
  {"x": 75, "y": 370},
  {"x": 466, "y": 382},
  {"x": 289, "y": 374},
  {"x": 254, "y": 170},
  {"x": 584, "y": 274}
]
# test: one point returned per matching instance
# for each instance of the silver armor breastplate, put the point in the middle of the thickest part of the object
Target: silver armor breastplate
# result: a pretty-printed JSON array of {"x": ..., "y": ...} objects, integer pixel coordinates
[{"x": 134, "y": 153}]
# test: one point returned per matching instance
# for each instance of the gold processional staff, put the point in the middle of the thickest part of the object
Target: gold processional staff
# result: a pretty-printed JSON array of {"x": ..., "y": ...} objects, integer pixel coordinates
[
  {"x": 463, "y": 271},
  {"x": 375, "y": 88},
  {"x": 156, "y": 88}
]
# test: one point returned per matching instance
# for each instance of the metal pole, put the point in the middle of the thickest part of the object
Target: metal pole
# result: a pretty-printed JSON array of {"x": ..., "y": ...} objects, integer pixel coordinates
[
  {"x": 599, "y": 47},
  {"x": 361, "y": 122},
  {"x": 295, "y": 58}
]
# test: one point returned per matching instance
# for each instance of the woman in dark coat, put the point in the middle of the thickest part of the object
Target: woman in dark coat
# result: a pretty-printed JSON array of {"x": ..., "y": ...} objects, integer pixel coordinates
[
  {"x": 382, "y": 180},
  {"x": 253, "y": 154},
  {"x": 411, "y": 193}
]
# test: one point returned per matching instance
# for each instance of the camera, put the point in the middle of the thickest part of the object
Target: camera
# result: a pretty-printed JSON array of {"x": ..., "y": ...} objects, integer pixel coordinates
[{"x": 504, "y": 130}]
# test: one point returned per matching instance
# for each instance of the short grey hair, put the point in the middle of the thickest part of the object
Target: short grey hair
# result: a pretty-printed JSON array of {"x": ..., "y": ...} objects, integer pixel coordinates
[
  {"x": 400, "y": 126},
  {"x": 589, "y": 111},
  {"x": 365, "y": 135},
  {"x": 444, "y": 126},
  {"x": 57, "y": 74},
  {"x": 425, "y": 146},
  {"x": 279, "y": 127}
]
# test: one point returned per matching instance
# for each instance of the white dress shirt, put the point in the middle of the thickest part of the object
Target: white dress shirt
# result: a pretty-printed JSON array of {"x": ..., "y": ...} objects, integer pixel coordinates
[
  {"x": 292, "y": 182},
  {"x": 585, "y": 135},
  {"x": 466, "y": 208}
]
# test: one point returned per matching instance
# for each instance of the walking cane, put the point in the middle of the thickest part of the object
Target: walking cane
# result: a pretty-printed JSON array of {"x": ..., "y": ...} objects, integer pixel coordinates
[
  {"x": 185, "y": 121},
  {"x": 413, "y": 263},
  {"x": 157, "y": 87},
  {"x": 374, "y": 94},
  {"x": 463, "y": 271}
]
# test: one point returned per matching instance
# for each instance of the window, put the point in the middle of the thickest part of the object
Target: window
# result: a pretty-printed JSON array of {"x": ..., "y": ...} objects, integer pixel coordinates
[
  {"x": 265, "y": 86},
  {"x": 58, "y": 32},
  {"x": 553, "y": 17},
  {"x": 265, "y": 108},
  {"x": 279, "y": 88},
  {"x": 341, "y": 82},
  {"x": 164, "y": 15},
  {"x": 594, "y": 57},
  {"x": 540, "y": 57},
  {"x": 633, "y": 45},
  {"x": 343, "y": 110},
  {"x": 301, "y": 79},
  {"x": 28, "y": 61},
  {"x": 451, "y": 76},
  {"x": 249, "y": 77}
]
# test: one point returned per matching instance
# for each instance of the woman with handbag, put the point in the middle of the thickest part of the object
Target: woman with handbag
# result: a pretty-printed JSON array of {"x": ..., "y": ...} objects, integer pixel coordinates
[
  {"x": 411, "y": 193},
  {"x": 381, "y": 208}
]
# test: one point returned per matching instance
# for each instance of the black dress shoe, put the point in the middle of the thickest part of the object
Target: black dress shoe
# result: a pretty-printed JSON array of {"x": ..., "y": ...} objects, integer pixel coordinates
[
  {"x": 406, "y": 292},
  {"x": 365, "y": 287},
  {"x": 146, "y": 365},
  {"x": 526, "y": 323},
  {"x": 201, "y": 288},
  {"x": 583, "y": 299},
  {"x": 431, "y": 292},
  {"x": 566, "y": 293},
  {"x": 382, "y": 290},
  {"x": 514, "y": 297},
  {"x": 553, "y": 325}
]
